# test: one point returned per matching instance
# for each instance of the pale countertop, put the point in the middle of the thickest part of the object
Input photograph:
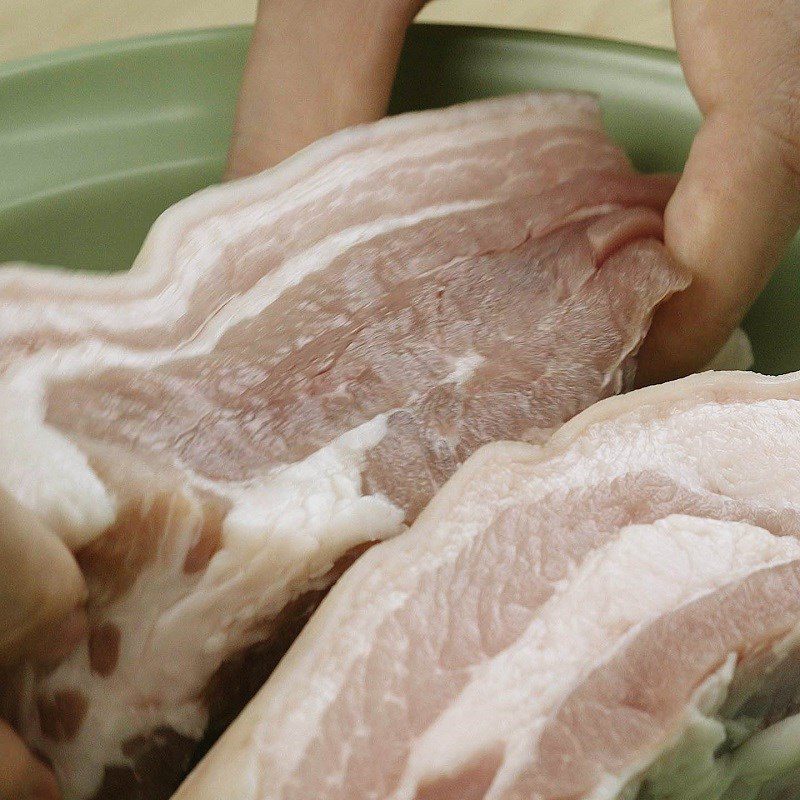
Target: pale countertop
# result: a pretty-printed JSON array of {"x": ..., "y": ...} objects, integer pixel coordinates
[{"x": 35, "y": 26}]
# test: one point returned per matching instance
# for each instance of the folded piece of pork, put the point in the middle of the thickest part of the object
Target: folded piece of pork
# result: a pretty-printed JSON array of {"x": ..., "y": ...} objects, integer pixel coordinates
[
  {"x": 294, "y": 366},
  {"x": 616, "y": 614}
]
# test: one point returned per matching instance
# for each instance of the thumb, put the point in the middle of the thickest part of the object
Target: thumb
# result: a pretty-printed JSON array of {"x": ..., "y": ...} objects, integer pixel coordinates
[
  {"x": 730, "y": 220},
  {"x": 40, "y": 600}
]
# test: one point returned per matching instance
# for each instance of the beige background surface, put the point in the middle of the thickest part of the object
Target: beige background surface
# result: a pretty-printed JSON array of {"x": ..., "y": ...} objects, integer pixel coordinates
[{"x": 35, "y": 26}]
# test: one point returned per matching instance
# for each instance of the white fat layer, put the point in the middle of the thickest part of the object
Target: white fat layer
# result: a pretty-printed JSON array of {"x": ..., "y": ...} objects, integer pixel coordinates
[
  {"x": 645, "y": 572},
  {"x": 700, "y": 448},
  {"x": 48, "y": 473},
  {"x": 159, "y": 289},
  {"x": 282, "y": 535},
  {"x": 316, "y": 502},
  {"x": 45, "y": 471}
]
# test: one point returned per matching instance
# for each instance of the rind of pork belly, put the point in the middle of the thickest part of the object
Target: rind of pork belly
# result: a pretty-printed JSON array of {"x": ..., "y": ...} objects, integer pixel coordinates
[
  {"x": 414, "y": 679},
  {"x": 214, "y": 487},
  {"x": 217, "y": 244}
]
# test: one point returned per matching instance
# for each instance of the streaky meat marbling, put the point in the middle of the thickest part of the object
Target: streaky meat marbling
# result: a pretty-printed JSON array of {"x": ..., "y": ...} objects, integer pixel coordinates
[
  {"x": 614, "y": 615},
  {"x": 293, "y": 367}
]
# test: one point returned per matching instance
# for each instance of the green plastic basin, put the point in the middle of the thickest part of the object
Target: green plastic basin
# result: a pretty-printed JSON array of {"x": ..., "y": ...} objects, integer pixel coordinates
[{"x": 96, "y": 142}]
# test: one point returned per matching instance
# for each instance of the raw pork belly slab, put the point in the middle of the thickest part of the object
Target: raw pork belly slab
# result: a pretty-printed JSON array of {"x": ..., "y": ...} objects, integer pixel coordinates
[
  {"x": 294, "y": 366},
  {"x": 615, "y": 614}
]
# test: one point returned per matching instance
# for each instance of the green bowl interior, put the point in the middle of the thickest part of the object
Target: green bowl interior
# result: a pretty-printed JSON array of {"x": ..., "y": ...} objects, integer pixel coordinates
[{"x": 95, "y": 143}]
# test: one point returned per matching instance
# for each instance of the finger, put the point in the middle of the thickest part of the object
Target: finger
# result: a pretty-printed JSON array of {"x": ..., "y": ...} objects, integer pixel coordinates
[
  {"x": 23, "y": 777},
  {"x": 730, "y": 220},
  {"x": 314, "y": 68},
  {"x": 40, "y": 614},
  {"x": 50, "y": 644}
]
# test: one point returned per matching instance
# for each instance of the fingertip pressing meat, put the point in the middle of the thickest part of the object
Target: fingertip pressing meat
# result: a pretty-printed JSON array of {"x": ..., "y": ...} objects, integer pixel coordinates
[{"x": 293, "y": 367}]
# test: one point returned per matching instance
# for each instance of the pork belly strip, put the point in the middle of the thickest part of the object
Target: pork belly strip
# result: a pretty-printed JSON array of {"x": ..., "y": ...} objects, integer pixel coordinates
[
  {"x": 575, "y": 620},
  {"x": 216, "y": 245},
  {"x": 293, "y": 368}
]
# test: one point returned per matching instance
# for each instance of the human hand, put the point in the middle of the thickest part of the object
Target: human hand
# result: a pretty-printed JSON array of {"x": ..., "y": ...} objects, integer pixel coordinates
[
  {"x": 314, "y": 67},
  {"x": 41, "y": 595},
  {"x": 738, "y": 203}
]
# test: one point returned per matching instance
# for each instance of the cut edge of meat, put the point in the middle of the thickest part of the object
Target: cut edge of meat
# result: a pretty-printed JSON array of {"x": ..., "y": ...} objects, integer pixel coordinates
[{"x": 719, "y": 386}]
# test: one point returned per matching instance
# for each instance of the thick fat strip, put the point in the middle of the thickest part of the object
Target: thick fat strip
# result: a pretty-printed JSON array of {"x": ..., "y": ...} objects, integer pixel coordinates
[
  {"x": 494, "y": 274},
  {"x": 408, "y": 638}
]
